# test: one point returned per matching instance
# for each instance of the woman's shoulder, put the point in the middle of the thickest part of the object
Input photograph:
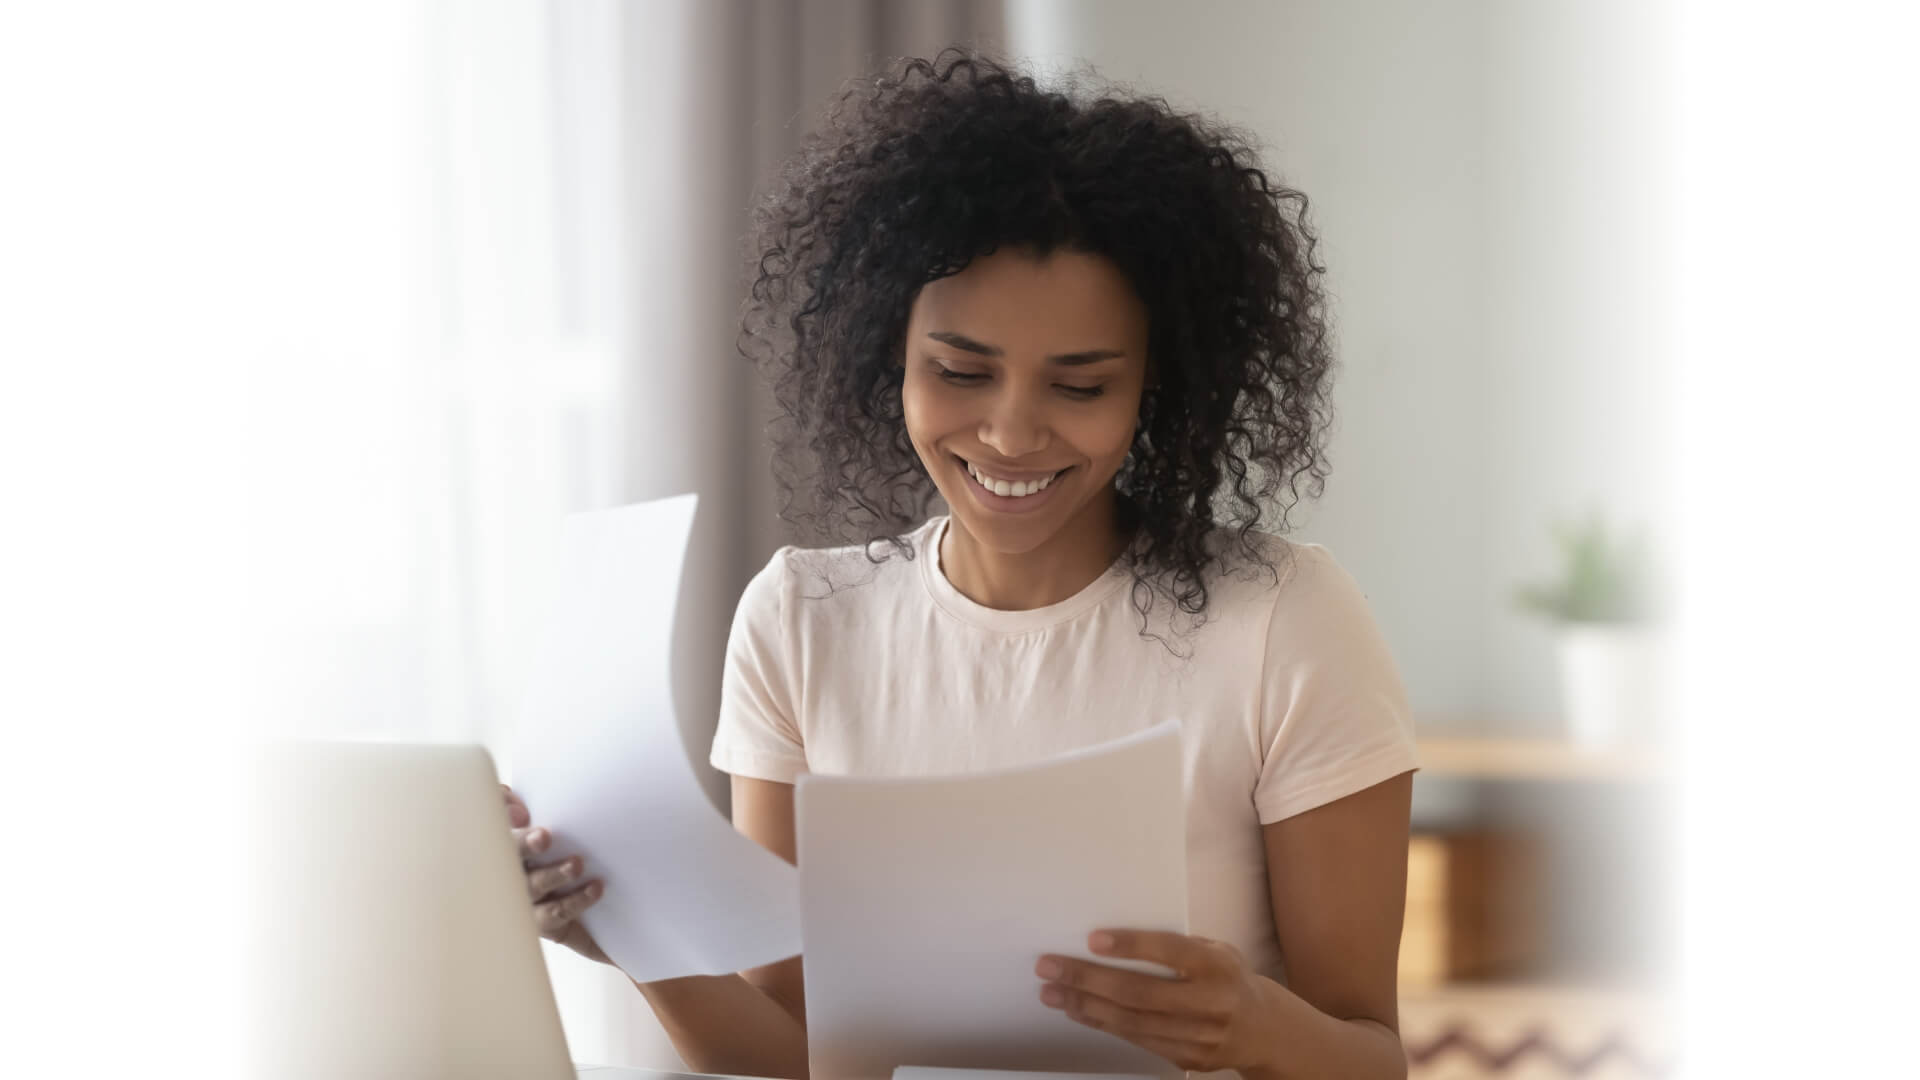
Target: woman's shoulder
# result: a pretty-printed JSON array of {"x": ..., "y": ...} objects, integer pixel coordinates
[
  {"x": 834, "y": 573},
  {"x": 1314, "y": 610},
  {"x": 1287, "y": 578}
]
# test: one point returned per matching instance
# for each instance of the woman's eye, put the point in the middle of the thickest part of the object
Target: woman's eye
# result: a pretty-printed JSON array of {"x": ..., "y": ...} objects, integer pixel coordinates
[
  {"x": 964, "y": 378},
  {"x": 1083, "y": 393}
]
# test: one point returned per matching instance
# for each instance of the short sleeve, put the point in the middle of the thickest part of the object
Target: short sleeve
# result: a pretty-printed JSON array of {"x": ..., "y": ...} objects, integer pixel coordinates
[
  {"x": 1334, "y": 715},
  {"x": 758, "y": 734}
]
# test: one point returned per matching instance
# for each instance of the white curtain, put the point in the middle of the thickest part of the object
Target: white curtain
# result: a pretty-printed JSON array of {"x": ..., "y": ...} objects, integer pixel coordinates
[{"x": 535, "y": 316}]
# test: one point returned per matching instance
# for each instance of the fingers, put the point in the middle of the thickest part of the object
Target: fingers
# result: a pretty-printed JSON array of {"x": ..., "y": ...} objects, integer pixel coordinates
[
  {"x": 1133, "y": 989},
  {"x": 553, "y": 909},
  {"x": 1185, "y": 1020},
  {"x": 543, "y": 881},
  {"x": 517, "y": 815},
  {"x": 1134, "y": 1024},
  {"x": 1183, "y": 953},
  {"x": 552, "y": 917},
  {"x": 1193, "y": 1057},
  {"x": 532, "y": 842}
]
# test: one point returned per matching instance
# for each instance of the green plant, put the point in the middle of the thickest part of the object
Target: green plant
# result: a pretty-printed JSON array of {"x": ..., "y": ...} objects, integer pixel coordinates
[{"x": 1600, "y": 581}]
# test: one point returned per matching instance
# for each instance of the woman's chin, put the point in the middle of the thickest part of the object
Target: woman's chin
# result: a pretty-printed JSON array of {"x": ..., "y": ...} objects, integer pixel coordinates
[
  {"x": 1012, "y": 532},
  {"x": 1003, "y": 540}
]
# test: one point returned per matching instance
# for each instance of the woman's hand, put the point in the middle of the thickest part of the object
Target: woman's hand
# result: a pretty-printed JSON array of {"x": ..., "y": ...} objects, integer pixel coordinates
[
  {"x": 560, "y": 891},
  {"x": 1213, "y": 1016}
]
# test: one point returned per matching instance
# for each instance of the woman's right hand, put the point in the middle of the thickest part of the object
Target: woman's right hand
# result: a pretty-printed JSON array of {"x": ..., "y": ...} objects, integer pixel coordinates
[{"x": 560, "y": 890}]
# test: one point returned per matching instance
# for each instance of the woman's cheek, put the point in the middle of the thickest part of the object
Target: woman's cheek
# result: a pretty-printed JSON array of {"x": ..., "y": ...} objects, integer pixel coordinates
[
  {"x": 1109, "y": 435},
  {"x": 930, "y": 416},
  {"x": 915, "y": 407}
]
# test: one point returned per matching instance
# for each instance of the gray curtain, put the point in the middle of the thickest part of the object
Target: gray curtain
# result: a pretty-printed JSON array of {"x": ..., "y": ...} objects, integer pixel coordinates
[{"x": 746, "y": 79}]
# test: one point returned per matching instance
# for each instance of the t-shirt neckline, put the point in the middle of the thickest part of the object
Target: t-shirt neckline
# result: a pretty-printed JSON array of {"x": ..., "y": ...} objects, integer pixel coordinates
[{"x": 967, "y": 610}]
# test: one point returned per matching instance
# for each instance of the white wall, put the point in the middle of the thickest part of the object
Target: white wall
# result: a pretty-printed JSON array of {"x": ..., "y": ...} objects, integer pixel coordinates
[
  {"x": 1481, "y": 177},
  {"x": 1579, "y": 270}
]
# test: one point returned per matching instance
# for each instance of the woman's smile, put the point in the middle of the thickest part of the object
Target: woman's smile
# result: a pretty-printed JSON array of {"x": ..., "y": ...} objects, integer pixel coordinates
[{"x": 1009, "y": 491}]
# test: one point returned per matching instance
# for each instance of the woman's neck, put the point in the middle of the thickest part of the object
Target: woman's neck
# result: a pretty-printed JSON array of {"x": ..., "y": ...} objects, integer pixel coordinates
[{"x": 1065, "y": 563}]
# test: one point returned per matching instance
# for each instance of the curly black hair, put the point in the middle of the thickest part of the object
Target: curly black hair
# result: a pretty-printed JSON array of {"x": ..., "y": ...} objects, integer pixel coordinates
[{"x": 922, "y": 168}]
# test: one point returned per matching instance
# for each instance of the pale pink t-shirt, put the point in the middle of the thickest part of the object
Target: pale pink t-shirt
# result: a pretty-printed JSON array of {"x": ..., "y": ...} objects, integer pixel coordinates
[{"x": 1286, "y": 695}]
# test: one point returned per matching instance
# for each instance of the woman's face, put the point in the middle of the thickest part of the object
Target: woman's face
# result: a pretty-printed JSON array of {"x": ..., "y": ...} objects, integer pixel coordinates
[{"x": 1022, "y": 389}]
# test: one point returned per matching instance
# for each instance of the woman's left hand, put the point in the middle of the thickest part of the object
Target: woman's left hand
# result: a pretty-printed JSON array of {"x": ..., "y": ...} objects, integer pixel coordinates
[{"x": 1213, "y": 1016}]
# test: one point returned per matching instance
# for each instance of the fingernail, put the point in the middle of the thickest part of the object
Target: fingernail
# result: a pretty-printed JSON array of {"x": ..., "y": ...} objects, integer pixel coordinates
[
  {"x": 537, "y": 839},
  {"x": 1053, "y": 995},
  {"x": 1102, "y": 942},
  {"x": 1049, "y": 969},
  {"x": 573, "y": 867},
  {"x": 594, "y": 890}
]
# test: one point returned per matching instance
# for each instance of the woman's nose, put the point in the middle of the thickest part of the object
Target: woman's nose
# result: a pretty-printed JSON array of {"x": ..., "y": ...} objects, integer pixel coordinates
[{"x": 1014, "y": 427}]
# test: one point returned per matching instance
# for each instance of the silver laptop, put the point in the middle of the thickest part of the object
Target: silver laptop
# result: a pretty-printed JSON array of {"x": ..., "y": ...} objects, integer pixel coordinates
[{"x": 390, "y": 931}]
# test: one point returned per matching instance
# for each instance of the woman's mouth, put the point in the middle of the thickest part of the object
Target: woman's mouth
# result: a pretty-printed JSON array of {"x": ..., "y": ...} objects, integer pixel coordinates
[{"x": 1009, "y": 494}]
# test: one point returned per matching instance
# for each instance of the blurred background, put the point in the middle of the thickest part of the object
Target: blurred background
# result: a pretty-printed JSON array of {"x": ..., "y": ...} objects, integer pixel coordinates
[{"x": 408, "y": 282}]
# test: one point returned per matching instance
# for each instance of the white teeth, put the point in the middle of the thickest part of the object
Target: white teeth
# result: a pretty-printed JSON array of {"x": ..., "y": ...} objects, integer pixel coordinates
[{"x": 1015, "y": 489}]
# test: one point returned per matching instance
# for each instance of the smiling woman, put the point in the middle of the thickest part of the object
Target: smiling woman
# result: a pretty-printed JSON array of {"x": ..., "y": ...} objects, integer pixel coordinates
[
  {"x": 1112, "y": 217},
  {"x": 1023, "y": 420},
  {"x": 1091, "y": 326}
]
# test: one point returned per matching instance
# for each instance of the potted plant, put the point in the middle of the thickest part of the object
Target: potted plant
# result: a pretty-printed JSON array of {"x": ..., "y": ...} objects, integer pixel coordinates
[{"x": 1602, "y": 608}]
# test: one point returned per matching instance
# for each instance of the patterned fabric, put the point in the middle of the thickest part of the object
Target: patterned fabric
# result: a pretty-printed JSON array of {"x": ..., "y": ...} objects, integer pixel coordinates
[{"x": 1540, "y": 1033}]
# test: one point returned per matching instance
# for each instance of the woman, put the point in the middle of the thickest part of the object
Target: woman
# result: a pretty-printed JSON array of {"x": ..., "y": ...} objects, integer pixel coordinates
[{"x": 1093, "y": 329}]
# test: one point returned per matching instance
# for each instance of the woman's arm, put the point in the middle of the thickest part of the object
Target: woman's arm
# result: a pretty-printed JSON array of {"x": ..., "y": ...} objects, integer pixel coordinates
[
  {"x": 722, "y": 1024},
  {"x": 753, "y": 1023},
  {"x": 1338, "y": 878}
]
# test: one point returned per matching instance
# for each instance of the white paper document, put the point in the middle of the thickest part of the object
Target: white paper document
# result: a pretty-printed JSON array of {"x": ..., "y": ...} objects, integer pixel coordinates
[
  {"x": 600, "y": 762},
  {"x": 926, "y": 902}
]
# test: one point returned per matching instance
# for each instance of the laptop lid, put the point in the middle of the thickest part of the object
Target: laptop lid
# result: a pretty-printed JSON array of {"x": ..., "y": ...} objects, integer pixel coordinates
[{"x": 391, "y": 932}]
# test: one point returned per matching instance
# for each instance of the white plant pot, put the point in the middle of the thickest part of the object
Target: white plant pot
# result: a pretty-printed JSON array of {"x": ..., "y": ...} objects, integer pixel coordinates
[{"x": 1610, "y": 684}]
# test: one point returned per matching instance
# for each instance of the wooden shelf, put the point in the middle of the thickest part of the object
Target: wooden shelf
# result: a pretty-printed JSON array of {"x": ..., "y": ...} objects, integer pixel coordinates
[
  {"x": 1537, "y": 759},
  {"x": 1501, "y": 994}
]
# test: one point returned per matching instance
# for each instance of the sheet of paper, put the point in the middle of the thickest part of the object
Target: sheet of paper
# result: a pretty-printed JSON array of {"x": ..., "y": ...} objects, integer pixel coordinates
[
  {"x": 600, "y": 761},
  {"x": 926, "y": 901}
]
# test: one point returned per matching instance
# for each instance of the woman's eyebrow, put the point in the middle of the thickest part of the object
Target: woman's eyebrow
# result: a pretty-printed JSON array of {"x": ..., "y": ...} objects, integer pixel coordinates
[{"x": 967, "y": 344}]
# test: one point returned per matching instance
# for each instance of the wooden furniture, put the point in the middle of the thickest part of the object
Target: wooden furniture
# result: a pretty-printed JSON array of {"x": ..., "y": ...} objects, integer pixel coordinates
[
  {"x": 1479, "y": 997},
  {"x": 1473, "y": 758},
  {"x": 1473, "y": 906}
]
